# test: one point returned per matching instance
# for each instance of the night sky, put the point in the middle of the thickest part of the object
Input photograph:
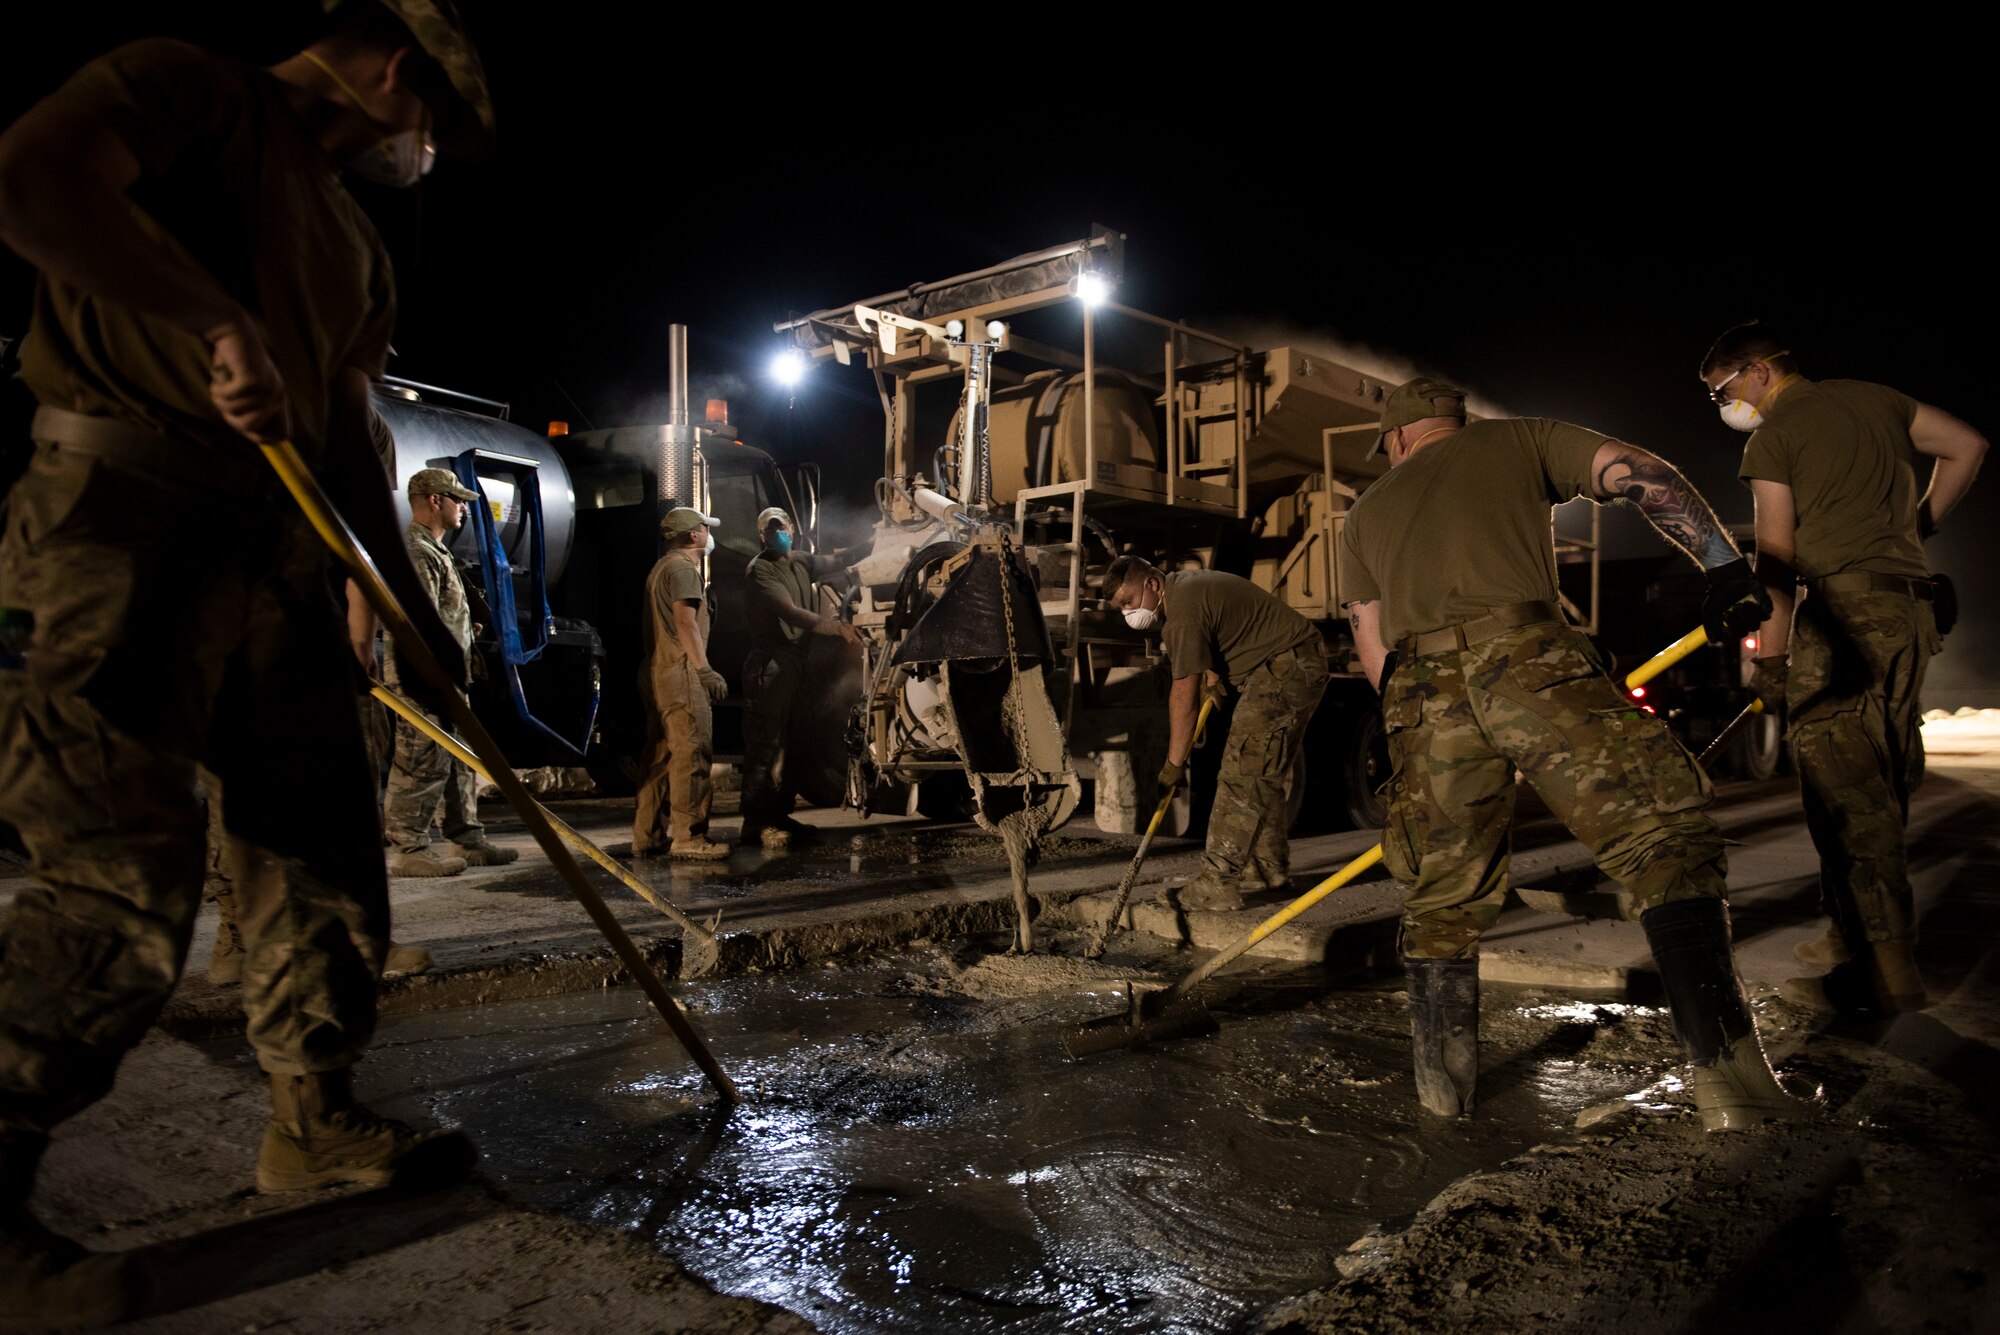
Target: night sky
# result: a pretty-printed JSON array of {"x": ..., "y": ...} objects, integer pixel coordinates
[{"x": 1561, "y": 242}]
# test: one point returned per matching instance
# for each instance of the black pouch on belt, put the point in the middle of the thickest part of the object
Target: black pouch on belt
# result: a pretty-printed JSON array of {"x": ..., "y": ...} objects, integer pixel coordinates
[{"x": 1944, "y": 603}]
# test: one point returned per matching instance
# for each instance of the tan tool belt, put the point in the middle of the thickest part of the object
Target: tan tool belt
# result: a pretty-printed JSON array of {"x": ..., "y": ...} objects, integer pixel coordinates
[
  {"x": 184, "y": 463},
  {"x": 1867, "y": 581},
  {"x": 1465, "y": 634}
]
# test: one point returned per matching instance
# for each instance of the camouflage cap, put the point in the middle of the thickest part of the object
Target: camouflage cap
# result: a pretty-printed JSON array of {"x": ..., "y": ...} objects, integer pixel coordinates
[
  {"x": 1413, "y": 402},
  {"x": 439, "y": 482},
  {"x": 770, "y": 512},
  {"x": 464, "y": 110},
  {"x": 685, "y": 519}
]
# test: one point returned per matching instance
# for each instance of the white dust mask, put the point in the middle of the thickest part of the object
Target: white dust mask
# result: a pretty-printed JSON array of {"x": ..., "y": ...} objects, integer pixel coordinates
[
  {"x": 400, "y": 160},
  {"x": 1743, "y": 416}
]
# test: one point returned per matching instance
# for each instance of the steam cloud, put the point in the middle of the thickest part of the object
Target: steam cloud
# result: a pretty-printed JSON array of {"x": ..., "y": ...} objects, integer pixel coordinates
[{"x": 1391, "y": 367}]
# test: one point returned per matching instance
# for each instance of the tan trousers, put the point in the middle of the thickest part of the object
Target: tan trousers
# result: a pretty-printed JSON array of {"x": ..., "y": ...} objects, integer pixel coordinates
[{"x": 676, "y": 794}]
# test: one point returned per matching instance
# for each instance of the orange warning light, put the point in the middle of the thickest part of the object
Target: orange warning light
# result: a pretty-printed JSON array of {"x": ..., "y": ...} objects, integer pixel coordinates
[
  {"x": 558, "y": 429},
  {"x": 718, "y": 410}
]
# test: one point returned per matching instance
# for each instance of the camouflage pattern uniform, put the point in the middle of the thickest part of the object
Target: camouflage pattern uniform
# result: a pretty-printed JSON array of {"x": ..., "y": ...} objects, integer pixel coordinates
[
  {"x": 1857, "y": 668},
  {"x": 421, "y": 773},
  {"x": 170, "y": 633},
  {"x": 1256, "y": 790},
  {"x": 1461, "y": 722}
]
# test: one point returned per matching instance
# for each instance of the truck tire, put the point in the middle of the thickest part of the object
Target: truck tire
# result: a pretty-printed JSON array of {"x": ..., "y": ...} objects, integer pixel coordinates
[
  {"x": 1759, "y": 750},
  {"x": 1364, "y": 759}
]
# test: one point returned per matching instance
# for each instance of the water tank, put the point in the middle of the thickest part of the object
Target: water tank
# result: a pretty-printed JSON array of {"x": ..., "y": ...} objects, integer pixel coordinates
[
  {"x": 1036, "y": 429},
  {"x": 507, "y": 458}
]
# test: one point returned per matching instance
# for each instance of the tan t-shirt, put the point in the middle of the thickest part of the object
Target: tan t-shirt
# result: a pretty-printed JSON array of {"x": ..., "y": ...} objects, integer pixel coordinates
[
  {"x": 1462, "y": 526},
  {"x": 1843, "y": 447},
  {"x": 230, "y": 176},
  {"x": 676, "y": 578},
  {"x": 1224, "y": 623}
]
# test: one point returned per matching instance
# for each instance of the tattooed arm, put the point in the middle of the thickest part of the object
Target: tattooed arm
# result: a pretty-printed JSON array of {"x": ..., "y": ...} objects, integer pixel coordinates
[
  {"x": 1365, "y": 618},
  {"x": 1665, "y": 498}
]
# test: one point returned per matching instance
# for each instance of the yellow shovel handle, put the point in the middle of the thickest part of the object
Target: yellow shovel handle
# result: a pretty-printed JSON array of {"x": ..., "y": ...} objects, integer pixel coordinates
[{"x": 1666, "y": 658}]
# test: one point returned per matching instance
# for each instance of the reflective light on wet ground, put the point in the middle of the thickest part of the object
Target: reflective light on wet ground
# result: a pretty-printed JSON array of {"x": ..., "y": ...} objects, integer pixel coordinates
[{"x": 910, "y": 1159}]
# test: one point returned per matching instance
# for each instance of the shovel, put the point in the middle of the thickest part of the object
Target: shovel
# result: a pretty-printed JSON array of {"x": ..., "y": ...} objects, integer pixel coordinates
[
  {"x": 1158, "y": 1017},
  {"x": 1096, "y": 948}
]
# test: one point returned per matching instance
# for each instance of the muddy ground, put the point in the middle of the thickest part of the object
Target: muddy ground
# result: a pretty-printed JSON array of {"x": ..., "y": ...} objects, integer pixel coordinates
[{"x": 916, "y": 1154}]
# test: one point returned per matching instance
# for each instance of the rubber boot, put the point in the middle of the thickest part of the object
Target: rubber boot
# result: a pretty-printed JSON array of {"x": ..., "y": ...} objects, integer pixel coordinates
[
  {"x": 1731, "y": 1080},
  {"x": 1444, "y": 1032},
  {"x": 319, "y": 1136},
  {"x": 45, "y": 1279}
]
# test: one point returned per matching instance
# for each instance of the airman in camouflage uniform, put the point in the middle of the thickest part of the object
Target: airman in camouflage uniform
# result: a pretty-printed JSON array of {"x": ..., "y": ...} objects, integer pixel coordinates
[
  {"x": 206, "y": 282},
  {"x": 422, "y": 773},
  {"x": 1449, "y": 558},
  {"x": 1833, "y": 465},
  {"x": 1212, "y": 623}
]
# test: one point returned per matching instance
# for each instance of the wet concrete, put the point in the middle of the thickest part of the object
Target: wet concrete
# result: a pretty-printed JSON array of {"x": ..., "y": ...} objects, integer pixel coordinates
[{"x": 917, "y": 1154}]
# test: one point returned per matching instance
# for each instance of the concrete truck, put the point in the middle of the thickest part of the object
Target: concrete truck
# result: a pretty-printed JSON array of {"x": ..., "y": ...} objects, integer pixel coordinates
[
  {"x": 560, "y": 547},
  {"x": 1102, "y": 429}
]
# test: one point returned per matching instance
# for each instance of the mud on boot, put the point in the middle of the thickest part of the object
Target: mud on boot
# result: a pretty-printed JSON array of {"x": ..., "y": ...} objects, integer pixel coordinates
[
  {"x": 1731, "y": 1080},
  {"x": 1444, "y": 1032},
  {"x": 46, "y": 1280},
  {"x": 1207, "y": 892},
  {"x": 319, "y": 1136},
  {"x": 479, "y": 853}
]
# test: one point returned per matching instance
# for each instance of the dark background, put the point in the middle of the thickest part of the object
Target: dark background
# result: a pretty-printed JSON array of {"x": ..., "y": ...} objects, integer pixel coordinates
[{"x": 1564, "y": 233}]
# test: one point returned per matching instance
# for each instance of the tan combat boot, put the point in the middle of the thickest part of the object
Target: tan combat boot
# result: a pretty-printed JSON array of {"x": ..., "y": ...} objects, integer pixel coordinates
[
  {"x": 319, "y": 1136},
  {"x": 46, "y": 1280},
  {"x": 1206, "y": 891},
  {"x": 697, "y": 849},
  {"x": 479, "y": 853},
  {"x": 402, "y": 960},
  {"x": 426, "y": 863}
]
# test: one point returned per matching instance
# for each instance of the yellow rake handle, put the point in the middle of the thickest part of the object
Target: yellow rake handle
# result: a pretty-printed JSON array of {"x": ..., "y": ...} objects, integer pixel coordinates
[
  {"x": 1666, "y": 658},
  {"x": 1275, "y": 921},
  {"x": 334, "y": 531}
]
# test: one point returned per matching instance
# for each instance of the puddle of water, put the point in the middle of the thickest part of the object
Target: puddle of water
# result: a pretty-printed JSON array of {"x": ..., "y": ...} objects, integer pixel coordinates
[{"x": 915, "y": 1162}]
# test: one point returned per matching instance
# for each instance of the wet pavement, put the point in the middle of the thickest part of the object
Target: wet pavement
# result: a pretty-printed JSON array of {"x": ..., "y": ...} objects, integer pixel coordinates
[{"x": 913, "y": 1158}]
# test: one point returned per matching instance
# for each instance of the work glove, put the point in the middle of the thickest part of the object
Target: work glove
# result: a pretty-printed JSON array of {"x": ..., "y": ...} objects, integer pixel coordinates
[
  {"x": 1171, "y": 775},
  {"x": 712, "y": 682},
  {"x": 1736, "y": 604},
  {"x": 1767, "y": 679},
  {"x": 1216, "y": 691}
]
